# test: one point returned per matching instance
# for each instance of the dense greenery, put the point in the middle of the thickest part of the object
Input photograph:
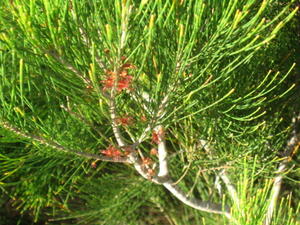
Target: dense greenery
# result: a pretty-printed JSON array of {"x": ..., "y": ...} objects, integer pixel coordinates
[{"x": 221, "y": 77}]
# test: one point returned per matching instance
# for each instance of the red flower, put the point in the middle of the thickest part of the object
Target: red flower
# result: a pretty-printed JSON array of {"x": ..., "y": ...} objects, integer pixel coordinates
[
  {"x": 119, "y": 78},
  {"x": 124, "y": 83},
  {"x": 111, "y": 151},
  {"x": 127, "y": 150},
  {"x": 123, "y": 73},
  {"x": 124, "y": 121},
  {"x": 155, "y": 138},
  {"x": 146, "y": 161},
  {"x": 123, "y": 80},
  {"x": 94, "y": 164},
  {"x": 108, "y": 83},
  {"x": 150, "y": 173},
  {"x": 128, "y": 66},
  {"x": 153, "y": 151}
]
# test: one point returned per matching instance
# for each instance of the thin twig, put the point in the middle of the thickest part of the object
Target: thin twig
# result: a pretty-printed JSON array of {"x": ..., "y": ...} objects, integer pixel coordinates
[
  {"x": 292, "y": 145},
  {"x": 231, "y": 189},
  {"x": 61, "y": 148},
  {"x": 184, "y": 173},
  {"x": 83, "y": 120},
  {"x": 70, "y": 67},
  {"x": 159, "y": 114},
  {"x": 115, "y": 127},
  {"x": 85, "y": 40}
]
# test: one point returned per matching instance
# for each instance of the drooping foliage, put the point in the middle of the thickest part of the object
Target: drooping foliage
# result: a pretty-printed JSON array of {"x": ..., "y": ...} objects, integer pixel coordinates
[{"x": 218, "y": 75}]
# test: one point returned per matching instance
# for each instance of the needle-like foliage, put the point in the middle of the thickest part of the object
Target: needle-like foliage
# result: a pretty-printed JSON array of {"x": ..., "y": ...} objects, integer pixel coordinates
[{"x": 105, "y": 102}]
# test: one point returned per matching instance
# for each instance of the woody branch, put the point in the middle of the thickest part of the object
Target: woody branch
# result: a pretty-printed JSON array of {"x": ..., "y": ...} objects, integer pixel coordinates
[
  {"x": 170, "y": 185},
  {"x": 163, "y": 176},
  {"x": 291, "y": 148},
  {"x": 59, "y": 147}
]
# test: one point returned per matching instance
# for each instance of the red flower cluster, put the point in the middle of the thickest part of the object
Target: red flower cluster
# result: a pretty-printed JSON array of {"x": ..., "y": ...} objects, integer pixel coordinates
[
  {"x": 124, "y": 121},
  {"x": 151, "y": 173},
  {"x": 155, "y": 138},
  {"x": 153, "y": 151},
  {"x": 157, "y": 135},
  {"x": 111, "y": 151},
  {"x": 146, "y": 161},
  {"x": 114, "y": 152},
  {"x": 121, "y": 79}
]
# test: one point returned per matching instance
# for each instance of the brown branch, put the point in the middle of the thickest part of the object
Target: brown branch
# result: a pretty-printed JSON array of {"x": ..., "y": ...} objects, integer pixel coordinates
[{"x": 58, "y": 147}]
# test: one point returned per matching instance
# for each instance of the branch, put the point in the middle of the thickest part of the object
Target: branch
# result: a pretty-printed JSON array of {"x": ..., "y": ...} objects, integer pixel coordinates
[
  {"x": 163, "y": 174},
  {"x": 115, "y": 127},
  {"x": 230, "y": 187},
  {"x": 61, "y": 148},
  {"x": 292, "y": 146},
  {"x": 133, "y": 157},
  {"x": 70, "y": 67},
  {"x": 85, "y": 40},
  {"x": 83, "y": 120},
  {"x": 162, "y": 152},
  {"x": 164, "y": 179},
  {"x": 159, "y": 114},
  {"x": 205, "y": 206}
]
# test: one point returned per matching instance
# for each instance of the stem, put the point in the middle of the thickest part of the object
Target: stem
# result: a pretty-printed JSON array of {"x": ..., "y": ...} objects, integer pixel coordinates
[
  {"x": 168, "y": 183},
  {"x": 275, "y": 192},
  {"x": 61, "y": 148},
  {"x": 159, "y": 114},
  {"x": 163, "y": 174},
  {"x": 83, "y": 120},
  {"x": 205, "y": 206},
  {"x": 162, "y": 152},
  {"x": 70, "y": 67},
  {"x": 231, "y": 189},
  {"x": 292, "y": 145},
  {"x": 113, "y": 116}
]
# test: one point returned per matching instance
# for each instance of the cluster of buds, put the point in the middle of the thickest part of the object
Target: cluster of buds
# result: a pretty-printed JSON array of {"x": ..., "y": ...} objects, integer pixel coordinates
[
  {"x": 151, "y": 173},
  {"x": 157, "y": 136},
  {"x": 119, "y": 79},
  {"x": 154, "y": 152},
  {"x": 124, "y": 121},
  {"x": 114, "y": 152},
  {"x": 147, "y": 163}
]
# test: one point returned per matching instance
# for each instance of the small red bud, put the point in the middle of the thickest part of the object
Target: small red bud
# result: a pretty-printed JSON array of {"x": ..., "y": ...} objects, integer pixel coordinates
[{"x": 153, "y": 151}]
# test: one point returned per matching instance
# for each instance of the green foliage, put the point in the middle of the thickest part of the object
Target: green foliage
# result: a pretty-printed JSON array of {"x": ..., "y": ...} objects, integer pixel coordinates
[{"x": 214, "y": 72}]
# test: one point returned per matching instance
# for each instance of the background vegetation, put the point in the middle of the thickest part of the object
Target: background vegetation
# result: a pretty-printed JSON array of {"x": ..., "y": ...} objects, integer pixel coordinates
[{"x": 224, "y": 90}]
